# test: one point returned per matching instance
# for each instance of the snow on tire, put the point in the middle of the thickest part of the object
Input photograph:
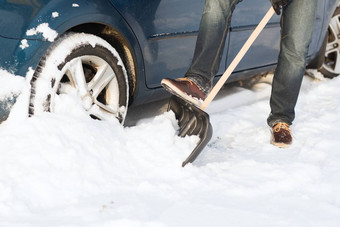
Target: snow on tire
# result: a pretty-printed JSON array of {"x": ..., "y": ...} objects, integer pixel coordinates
[{"x": 91, "y": 66}]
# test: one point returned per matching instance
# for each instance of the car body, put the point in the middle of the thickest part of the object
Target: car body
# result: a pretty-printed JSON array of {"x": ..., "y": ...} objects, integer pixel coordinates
[{"x": 155, "y": 38}]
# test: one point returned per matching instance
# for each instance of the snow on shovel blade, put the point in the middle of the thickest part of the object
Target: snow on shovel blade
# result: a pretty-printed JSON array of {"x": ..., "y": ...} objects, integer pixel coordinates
[{"x": 192, "y": 121}]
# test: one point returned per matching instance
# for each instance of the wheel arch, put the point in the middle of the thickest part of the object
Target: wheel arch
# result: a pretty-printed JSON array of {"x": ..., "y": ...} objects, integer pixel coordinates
[{"x": 97, "y": 18}]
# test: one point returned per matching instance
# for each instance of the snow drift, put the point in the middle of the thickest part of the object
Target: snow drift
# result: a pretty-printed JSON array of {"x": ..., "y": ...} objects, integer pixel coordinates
[{"x": 66, "y": 169}]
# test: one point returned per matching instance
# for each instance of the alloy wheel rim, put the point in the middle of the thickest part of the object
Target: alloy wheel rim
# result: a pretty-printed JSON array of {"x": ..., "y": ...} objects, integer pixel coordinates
[
  {"x": 332, "y": 54},
  {"x": 96, "y": 84}
]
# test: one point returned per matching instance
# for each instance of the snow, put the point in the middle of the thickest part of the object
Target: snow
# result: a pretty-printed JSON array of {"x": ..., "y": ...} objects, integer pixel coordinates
[
  {"x": 48, "y": 33},
  {"x": 65, "y": 169},
  {"x": 24, "y": 44},
  {"x": 55, "y": 14}
]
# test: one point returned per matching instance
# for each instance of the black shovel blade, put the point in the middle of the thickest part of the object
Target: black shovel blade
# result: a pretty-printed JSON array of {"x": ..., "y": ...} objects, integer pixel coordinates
[{"x": 192, "y": 121}]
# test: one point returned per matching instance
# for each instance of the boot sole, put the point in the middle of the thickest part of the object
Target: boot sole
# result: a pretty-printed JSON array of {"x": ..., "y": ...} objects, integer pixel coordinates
[
  {"x": 280, "y": 145},
  {"x": 180, "y": 94}
]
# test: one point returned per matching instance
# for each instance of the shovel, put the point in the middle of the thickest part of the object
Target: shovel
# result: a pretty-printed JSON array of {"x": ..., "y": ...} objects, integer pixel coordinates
[{"x": 195, "y": 121}]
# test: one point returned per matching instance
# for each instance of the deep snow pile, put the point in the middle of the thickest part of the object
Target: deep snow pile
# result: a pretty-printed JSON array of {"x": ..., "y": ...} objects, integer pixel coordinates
[{"x": 65, "y": 169}]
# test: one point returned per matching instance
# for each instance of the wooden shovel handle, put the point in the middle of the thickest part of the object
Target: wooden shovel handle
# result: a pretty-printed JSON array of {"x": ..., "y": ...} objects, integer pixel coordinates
[{"x": 237, "y": 59}]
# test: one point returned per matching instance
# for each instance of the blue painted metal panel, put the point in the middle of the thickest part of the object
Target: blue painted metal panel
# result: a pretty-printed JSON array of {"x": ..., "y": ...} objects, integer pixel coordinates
[
  {"x": 166, "y": 31},
  {"x": 265, "y": 49},
  {"x": 68, "y": 16}
]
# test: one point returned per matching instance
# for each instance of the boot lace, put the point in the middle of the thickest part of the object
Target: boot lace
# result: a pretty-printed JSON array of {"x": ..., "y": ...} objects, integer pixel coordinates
[{"x": 281, "y": 125}]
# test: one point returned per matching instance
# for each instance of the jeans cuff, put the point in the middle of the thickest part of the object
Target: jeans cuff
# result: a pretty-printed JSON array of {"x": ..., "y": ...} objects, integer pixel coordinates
[
  {"x": 273, "y": 121},
  {"x": 200, "y": 82}
]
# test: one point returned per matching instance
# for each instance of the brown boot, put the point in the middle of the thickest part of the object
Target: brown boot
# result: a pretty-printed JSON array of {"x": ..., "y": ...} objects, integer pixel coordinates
[
  {"x": 185, "y": 89},
  {"x": 281, "y": 135}
]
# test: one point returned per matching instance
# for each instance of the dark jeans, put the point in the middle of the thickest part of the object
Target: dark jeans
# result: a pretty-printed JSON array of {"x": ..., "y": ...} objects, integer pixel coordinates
[{"x": 297, "y": 24}]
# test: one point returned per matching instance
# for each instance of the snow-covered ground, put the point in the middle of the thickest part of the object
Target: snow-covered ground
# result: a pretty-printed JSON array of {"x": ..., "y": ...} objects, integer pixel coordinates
[{"x": 65, "y": 169}]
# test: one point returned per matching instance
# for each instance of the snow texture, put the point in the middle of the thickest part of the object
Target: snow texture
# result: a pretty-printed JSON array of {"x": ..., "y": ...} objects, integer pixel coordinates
[
  {"x": 48, "y": 33},
  {"x": 24, "y": 44},
  {"x": 55, "y": 14},
  {"x": 65, "y": 169}
]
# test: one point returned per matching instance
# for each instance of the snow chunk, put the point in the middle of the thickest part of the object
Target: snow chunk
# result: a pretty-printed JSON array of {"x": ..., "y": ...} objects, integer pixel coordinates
[
  {"x": 55, "y": 14},
  {"x": 24, "y": 44},
  {"x": 48, "y": 33},
  {"x": 315, "y": 74}
]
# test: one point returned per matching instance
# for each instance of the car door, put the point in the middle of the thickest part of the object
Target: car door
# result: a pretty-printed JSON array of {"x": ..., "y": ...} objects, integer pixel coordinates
[
  {"x": 171, "y": 43},
  {"x": 265, "y": 49},
  {"x": 166, "y": 31}
]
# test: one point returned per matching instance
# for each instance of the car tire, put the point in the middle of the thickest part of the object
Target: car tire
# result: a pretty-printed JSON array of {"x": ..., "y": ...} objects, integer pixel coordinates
[
  {"x": 90, "y": 65},
  {"x": 331, "y": 63}
]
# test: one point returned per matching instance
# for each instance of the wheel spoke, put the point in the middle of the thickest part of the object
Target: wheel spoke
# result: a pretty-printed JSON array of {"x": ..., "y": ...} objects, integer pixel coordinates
[
  {"x": 331, "y": 47},
  {"x": 337, "y": 63},
  {"x": 106, "y": 108},
  {"x": 102, "y": 111},
  {"x": 335, "y": 27},
  {"x": 77, "y": 71},
  {"x": 332, "y": 60},
  {"x": 102, "y": 78}
]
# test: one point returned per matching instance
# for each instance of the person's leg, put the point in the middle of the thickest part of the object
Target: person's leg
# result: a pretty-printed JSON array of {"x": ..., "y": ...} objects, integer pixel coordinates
[
  {"x": 210, "y": 42},
  {"x": 207, "y": 57},
  {"x": 297, "y": 23}
]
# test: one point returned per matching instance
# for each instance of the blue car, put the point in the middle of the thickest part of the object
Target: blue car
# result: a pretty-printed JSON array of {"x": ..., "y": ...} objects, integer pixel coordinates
[{"x": 115, "y": 52}]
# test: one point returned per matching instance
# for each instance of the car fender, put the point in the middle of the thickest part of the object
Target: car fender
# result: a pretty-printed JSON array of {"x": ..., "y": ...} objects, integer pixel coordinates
[{"x": 55, "y": 21}]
